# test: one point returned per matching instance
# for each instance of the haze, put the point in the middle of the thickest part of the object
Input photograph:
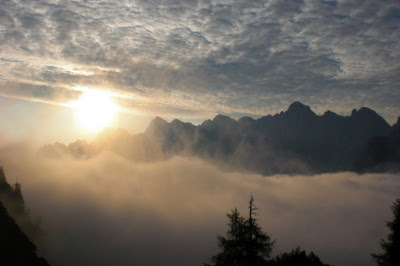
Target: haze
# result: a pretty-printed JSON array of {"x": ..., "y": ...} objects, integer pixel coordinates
[
  {"x": 108, "y": 210},
  {"x": 158, "y": 193}
]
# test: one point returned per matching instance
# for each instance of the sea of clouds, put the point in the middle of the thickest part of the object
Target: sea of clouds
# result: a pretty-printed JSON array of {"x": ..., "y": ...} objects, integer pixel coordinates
[{"x": 110, "y": 211}]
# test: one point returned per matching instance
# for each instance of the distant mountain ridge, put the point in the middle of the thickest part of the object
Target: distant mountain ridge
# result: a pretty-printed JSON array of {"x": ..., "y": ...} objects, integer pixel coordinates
[
  {"x": 296, "y": 141},
  {"x": 381, "y": 153}
]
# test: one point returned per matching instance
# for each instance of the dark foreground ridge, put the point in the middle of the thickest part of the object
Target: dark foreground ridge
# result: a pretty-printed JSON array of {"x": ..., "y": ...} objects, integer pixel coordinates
[
  {"x": 12, "y": 199},
  {"x": 15, "y": 247},
  {"x": 16, "y": 224},
  {"x": 296, "y": 141}
]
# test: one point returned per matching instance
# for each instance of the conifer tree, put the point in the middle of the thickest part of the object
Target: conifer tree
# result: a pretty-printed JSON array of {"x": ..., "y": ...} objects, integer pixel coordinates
[
  {"x": 245, "y": 243},
  {"x": 297, "y": 257},
  {"x": 12, "y": 198},
  {"x": 259, "y": 244},
  {"x": 391, "y": 246},
  {"x": 18, "y": 199}
]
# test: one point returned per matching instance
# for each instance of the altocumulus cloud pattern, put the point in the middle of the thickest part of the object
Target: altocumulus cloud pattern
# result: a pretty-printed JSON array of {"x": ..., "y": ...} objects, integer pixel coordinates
[{"x": 197, "y": 58}]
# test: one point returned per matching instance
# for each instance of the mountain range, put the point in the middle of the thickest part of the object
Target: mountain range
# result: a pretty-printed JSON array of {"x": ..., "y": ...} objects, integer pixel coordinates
[{"x": 296, "y": 141}]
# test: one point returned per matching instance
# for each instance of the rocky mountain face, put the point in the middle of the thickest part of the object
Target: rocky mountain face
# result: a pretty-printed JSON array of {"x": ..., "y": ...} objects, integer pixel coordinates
[
  {"x": 15, "y": 247},
  {"x": 381, "y": 153},
  {"x": 12, "y": 199},
  {"x": 296, "y": 141}
]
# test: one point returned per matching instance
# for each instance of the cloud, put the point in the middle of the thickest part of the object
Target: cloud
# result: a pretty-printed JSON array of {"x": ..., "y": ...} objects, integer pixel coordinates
[
  {"x": 108, "y": 210},
  {"x": 231, "y": 56}
]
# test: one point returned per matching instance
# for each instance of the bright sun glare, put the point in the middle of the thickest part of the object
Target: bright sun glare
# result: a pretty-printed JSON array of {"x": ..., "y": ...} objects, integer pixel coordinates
[{"x": 95, "y": 110}]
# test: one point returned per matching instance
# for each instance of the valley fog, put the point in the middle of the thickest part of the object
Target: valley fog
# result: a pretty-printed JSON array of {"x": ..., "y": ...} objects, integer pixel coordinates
[{"x": 110, "y": 211}]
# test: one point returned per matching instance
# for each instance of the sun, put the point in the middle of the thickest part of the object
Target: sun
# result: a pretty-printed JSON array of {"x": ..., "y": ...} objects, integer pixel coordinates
[{"x": 95, "y": 110}]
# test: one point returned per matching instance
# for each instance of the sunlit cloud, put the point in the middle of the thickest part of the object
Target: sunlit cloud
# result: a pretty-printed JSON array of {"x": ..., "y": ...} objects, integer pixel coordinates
[
  {"x": 243, "y": 57},
  {"x": 95, "y": 109},
  {"x": 124, "y": 211}
]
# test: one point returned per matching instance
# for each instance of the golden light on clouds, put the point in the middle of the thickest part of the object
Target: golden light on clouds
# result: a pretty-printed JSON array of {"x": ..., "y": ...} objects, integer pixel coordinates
[{"x": 95, "y": 110}]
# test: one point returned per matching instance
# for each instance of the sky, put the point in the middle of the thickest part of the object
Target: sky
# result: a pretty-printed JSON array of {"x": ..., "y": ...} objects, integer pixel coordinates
[
  {"x": 194, "y": 59},
  {"x": 190, "y": 60}
]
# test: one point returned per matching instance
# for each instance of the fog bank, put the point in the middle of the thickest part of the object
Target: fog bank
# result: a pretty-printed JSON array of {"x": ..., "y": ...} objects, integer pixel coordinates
[{"x": 111, "y": 211}]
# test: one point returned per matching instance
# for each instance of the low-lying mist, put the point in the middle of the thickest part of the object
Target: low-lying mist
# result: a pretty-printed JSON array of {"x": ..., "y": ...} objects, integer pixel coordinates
[{"x": 110, "y": 211}]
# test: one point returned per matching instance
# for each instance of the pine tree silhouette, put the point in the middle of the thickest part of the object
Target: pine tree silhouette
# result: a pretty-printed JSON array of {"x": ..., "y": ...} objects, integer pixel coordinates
[
  {"x": 245, "y": 243},
  {"x": 297, "y": 257},
  {"x": 391, "y": 246},
  {"x": 13, "y": 200}
]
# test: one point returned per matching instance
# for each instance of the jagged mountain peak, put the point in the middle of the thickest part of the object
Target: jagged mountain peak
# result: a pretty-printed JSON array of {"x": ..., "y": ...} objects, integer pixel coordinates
[
  {"x": 156, "y": 125},
  {"x": 329, "y": 113},
  {"x": 318, "y": 143},
  {"x": 363, "y": 111},
  {"x": 177, "y": 122},
  {"x": 397, "y": 124},
  {"x": 300, "y": 109},
  {"x": 297, "y": 104},
  {"x": 246, "y": 119},
  {"x": 158, "y": 121},
  {"x": 222, "y": 118},
  {"x": 224, "y": 122},
  {"x": 367, "y": 115},
  {"x": 396, "y": 127},
  {"x": 206, "y": 123}
]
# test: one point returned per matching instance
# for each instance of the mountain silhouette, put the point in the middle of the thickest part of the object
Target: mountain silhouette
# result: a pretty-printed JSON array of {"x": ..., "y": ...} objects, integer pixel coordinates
[
  {"x": 296, "y": 141},
  {"x": 15, "y": 247},
  {"x": 12, "y": 199},
  {"x": 381, "y": 153}
]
